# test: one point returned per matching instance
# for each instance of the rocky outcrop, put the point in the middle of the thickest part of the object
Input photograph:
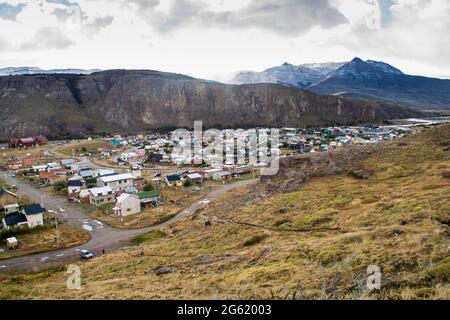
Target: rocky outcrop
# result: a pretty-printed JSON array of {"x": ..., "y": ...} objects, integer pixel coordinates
[{"x": 131, "y": 101}]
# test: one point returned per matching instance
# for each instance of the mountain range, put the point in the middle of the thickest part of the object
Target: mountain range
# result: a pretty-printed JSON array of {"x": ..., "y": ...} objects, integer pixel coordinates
[
  {"x": 14, "y": 71},
  {"x": 67, "y": 105},
  {"x": 371, "y": 80}
]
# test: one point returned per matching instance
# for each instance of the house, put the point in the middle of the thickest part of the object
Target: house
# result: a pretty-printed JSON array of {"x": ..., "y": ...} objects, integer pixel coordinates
[
  {"x": 208, "y": 173},
  {"x": 148, "y": 198},
  {"x": 51, "y": 178},
  {"x": 14, "y": 220},
  {"x": 7, "y": 197},
  {"x": 101, "y": 195},
  {"x": 34, "y": 215},
  {"x": 173, "y": 180},
  {"x": 11, "y": 208},
  {"x": 83, "y": 195},
  {"x": 104, "y": 172},
  {"x": 27, "y": 142},
  {"x": 195, "y": 178},
  {"x": 127, "y": 204},
  {"x": 117, "y": 182},
  {"x": 222, "y": 176},
  {"x": 74, "y": 186},
  {"x": 86, "y": 174},
  {"x": 67, "y": 163}
]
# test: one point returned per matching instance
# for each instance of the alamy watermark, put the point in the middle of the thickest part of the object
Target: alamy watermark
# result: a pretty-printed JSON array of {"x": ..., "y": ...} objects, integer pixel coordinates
[
  {"x": 256, "y": 147},
  {"x": 74, "y": 280}
]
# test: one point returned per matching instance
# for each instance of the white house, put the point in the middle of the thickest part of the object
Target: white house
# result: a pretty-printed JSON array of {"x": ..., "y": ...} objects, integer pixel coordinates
[
  {"x": 117, "y": 182},
  {"x": 127, "y": 204},
  {"x": 74, "y": 186},
  {"x": 208, "y": 173},
  {"x": 221, "y": 176},
  {"x": 103, "y": 172},
  {"x": 101, "y": 195},
  {"x": 34, "y": 214}
]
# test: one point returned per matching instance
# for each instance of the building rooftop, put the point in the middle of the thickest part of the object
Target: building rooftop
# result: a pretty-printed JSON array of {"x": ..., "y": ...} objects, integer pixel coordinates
[
  {"x": 15, "y": 218},
  {"x": 100, "y": 191},
  {"x": 117, "y": 177},
  {"x": 33, "y": 209}
]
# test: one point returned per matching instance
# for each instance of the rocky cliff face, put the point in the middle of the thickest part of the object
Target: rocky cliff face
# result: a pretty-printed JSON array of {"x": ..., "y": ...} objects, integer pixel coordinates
[{"x": 131, "y": 101}]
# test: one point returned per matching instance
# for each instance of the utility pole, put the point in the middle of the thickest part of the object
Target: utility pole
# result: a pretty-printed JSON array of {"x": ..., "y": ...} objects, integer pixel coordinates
[{"x": 56, "y": 230}]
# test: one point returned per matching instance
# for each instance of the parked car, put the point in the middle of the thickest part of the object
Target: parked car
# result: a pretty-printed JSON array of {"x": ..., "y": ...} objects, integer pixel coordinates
[
  {"x": 15, "y": 187},
  {"x": 86, "y": 255}
]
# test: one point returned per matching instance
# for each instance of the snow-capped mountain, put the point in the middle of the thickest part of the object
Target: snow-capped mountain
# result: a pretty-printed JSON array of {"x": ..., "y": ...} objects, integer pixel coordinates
[
  {"x": 33, "y": 70},
  {"x": 287, "y": 74},
  {"x": 324, "y": 68},
  {"x": 369, "y": 69},
  {"x": 374, "y": 80}
]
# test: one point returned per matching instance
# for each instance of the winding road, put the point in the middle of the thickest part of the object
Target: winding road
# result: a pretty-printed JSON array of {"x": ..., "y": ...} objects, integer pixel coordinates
[{"x": 103, "y": 236}]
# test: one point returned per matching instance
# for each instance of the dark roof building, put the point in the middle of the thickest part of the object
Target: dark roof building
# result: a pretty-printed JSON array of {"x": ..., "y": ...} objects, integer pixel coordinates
[
  {"x": 173, "y": 178},
  {"x": 74, "y": 183},
  {"x": 15, "y": 219},
  {"x": 27, "y": 142},
  {"x": 33, "y": 209}
]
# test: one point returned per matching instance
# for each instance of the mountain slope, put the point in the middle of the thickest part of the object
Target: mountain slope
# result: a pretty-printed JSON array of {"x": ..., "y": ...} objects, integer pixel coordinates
[
  {"x": 380, "y": 81},
  {"x": 130, "y": 101}
]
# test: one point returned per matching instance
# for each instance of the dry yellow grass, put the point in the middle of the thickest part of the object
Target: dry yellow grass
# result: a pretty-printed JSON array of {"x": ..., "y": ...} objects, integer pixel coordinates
[
  {"x": 45, "y": 240},
  {"x": 258, "y": 246},
  {"x": 175, "y": 199},
  {"x": 80, "y": 146}
]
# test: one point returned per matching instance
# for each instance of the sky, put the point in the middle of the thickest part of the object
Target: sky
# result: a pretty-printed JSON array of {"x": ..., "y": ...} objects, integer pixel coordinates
[{"x": 213, "y": 39}]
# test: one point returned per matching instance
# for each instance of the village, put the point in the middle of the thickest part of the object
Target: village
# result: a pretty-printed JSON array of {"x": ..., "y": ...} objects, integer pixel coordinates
[{"x": 137, "y": 181}]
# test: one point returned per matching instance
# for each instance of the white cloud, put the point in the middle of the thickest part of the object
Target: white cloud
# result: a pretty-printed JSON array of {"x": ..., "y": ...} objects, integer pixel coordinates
[{"x": 209, "y": 38}]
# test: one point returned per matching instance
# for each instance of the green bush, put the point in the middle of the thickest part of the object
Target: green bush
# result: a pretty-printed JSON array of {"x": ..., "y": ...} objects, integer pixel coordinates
[
  {"x": 148, "y": 187},
  {"x": 60, "y": 186}
]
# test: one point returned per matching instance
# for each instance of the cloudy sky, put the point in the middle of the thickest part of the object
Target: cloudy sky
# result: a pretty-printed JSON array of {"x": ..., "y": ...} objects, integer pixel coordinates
[{"x": 214, "y": 38}]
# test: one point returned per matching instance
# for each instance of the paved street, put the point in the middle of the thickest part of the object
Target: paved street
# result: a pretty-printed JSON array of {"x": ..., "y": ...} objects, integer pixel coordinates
[{"x": 103, "y": 236}]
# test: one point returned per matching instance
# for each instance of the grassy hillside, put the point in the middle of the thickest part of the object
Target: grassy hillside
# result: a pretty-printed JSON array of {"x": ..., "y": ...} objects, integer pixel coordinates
[{"x": 309, "y": 232}]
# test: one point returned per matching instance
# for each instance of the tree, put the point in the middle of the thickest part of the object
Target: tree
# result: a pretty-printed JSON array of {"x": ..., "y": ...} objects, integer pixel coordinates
[
  {"x": 187, "y": 183},
  {"x": 60, "y": 186},
  {"x": 149, "y": 187}
]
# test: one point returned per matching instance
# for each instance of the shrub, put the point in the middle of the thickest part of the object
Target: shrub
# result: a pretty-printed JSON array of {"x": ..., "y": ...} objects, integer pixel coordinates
[
  {"x": 446, "y": 174},
  {"x": 148, "y": 187},
  {"x": 440, "y": 272},
  {"x": 187, "y": 183},
  {"x": 254, "y": 240},
  {"x": 59, "y": 186}
]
